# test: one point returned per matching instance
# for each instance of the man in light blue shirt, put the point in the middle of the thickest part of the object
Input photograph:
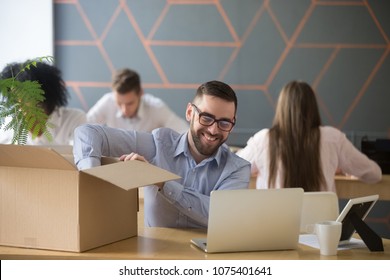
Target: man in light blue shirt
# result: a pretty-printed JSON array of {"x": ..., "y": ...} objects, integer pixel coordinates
[{"x": 199, "y": 156}]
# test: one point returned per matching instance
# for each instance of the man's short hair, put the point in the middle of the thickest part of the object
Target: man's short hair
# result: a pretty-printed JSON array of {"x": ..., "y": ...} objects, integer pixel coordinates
[
  {"x": 126, "y": 80},
  {"x": 218, "y": 89}
]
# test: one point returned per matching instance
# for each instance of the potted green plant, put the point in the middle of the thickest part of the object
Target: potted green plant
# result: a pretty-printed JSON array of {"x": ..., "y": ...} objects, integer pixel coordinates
[{"x": 20, "y": 109}]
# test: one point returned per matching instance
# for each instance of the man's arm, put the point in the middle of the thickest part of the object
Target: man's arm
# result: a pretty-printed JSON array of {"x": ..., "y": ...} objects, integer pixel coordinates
[
  {"x": 99, "y": 112},
  {"x": 92, "y": 141},
  {"x": 195, "y": 205}
]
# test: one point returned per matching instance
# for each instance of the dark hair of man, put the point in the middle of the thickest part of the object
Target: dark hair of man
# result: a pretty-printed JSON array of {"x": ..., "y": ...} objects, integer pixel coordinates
[
  {"x": 217, "y": 89},
  {"x": 294, "y": 139},
  {"x": 126, "y": 80},
  {"x": 48, "y": 76}
]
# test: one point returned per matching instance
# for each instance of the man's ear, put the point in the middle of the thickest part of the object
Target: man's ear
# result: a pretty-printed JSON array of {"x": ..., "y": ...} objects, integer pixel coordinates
[{"x": 189, "y": 111}]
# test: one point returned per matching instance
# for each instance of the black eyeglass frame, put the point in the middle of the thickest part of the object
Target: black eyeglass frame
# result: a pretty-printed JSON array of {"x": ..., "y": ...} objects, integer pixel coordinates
[{"x": 212, "y": 117}]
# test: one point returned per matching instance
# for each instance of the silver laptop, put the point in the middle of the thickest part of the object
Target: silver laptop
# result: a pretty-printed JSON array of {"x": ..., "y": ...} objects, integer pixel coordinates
[{"x": 252, "y": 220}]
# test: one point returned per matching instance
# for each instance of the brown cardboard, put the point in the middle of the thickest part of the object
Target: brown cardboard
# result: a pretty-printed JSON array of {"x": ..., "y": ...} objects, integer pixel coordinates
[{"x": 46, "y": 203}]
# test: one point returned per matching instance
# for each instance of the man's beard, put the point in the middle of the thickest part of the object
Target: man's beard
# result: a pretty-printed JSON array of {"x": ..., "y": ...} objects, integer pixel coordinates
[{"x": 204, "y": 149}]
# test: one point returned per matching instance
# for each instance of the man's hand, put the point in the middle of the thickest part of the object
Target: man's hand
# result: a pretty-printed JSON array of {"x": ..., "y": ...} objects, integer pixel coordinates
[{"x": 132, "y": 156}]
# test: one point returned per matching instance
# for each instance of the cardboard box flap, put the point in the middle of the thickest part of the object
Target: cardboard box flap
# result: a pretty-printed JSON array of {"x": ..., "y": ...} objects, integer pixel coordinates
[
  {"x": 142, "y": 174},
  {"x": 61, "y": 149},
  {"x": 33, "y": 157}
]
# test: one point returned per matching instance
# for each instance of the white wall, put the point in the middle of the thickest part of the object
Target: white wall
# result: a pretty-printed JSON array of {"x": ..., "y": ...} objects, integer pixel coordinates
[{"x": 26, "y": 30}]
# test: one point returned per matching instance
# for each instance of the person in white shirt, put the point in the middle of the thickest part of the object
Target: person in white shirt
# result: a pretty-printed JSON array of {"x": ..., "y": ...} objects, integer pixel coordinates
[
  {"x": 62, "y": 120},
  {"x": 128, "y": 107},
  {"x": 297, "y": 151}
]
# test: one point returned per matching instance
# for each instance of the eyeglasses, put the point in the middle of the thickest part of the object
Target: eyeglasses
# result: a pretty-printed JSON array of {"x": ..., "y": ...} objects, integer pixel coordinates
[{"x": 207, "y": 119}]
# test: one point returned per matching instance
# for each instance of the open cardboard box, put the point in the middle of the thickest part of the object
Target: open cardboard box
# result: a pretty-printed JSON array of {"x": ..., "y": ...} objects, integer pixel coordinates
[{"x": 46, "y": 203}]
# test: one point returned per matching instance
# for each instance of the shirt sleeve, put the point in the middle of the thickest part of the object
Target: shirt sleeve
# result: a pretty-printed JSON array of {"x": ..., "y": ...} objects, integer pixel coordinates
[
  {"x": 6, "y": 136},
  {"x": 78, "y": 118},
  {"x": 98, "y": 112},
  {"x": 196, "y": 205},
  {"x": 249, "y": 151},
  {"x": 92, "y": 141},
  {"x": 355, "y": 163},
  {"x": 252, "y": 151}
]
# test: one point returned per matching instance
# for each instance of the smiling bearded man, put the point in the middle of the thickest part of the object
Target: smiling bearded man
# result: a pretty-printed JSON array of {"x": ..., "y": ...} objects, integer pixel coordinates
[{"x": 199, "y": 156}]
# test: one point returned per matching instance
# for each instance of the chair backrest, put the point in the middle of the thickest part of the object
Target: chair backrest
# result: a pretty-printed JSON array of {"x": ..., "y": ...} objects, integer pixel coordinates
[{"x": 318, "y": 206}]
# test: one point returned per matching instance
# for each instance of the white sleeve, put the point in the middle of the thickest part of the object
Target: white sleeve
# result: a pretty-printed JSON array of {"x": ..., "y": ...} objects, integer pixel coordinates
[
  {"x": 173, "y": 121},
  {"x": 78, "y": 118},
  {"x": 6, "y": 136},
  {"x": 253, "y": 151},
  {"x": 355, "y": 163},
  {"x": 98, "y": 112}
]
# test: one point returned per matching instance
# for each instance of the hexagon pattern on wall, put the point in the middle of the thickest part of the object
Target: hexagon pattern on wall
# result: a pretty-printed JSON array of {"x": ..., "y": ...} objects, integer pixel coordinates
[{"x": 340, "y": 47}]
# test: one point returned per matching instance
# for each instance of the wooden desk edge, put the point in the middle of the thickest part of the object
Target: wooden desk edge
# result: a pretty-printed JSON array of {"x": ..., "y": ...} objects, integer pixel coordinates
[{"x": 174, "y": 244}]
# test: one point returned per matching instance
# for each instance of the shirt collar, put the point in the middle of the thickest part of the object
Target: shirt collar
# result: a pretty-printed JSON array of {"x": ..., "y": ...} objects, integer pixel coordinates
[{"x": 182, "y": 148}]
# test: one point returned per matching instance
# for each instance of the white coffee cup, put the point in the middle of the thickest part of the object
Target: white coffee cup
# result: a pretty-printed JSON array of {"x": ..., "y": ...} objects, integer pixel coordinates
[{"x": 328, "y": 235}]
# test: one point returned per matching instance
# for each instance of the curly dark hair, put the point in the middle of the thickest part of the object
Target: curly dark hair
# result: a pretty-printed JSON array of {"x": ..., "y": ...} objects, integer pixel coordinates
[{"x": 49, "y": 76}]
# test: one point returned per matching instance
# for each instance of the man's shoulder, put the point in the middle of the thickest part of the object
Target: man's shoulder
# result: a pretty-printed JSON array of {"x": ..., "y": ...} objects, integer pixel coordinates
[
  {"x": 71, "y": 111},
  {"x": 105, "y": 103},
  {"x": 166, "y": 132},
  {"x": 106, "y": 98},
  {"x": 152, "y": 101},
  {"x": 68, "y": 113},
  {"x": 232, "y": 158},
  {"x": 109, "y": 96},
  {"x": 167, "y": 137}
]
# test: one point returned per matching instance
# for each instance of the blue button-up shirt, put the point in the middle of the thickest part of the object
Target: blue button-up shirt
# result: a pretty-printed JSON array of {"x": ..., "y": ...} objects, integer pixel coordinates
[{"x": 181, "y": 203}]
